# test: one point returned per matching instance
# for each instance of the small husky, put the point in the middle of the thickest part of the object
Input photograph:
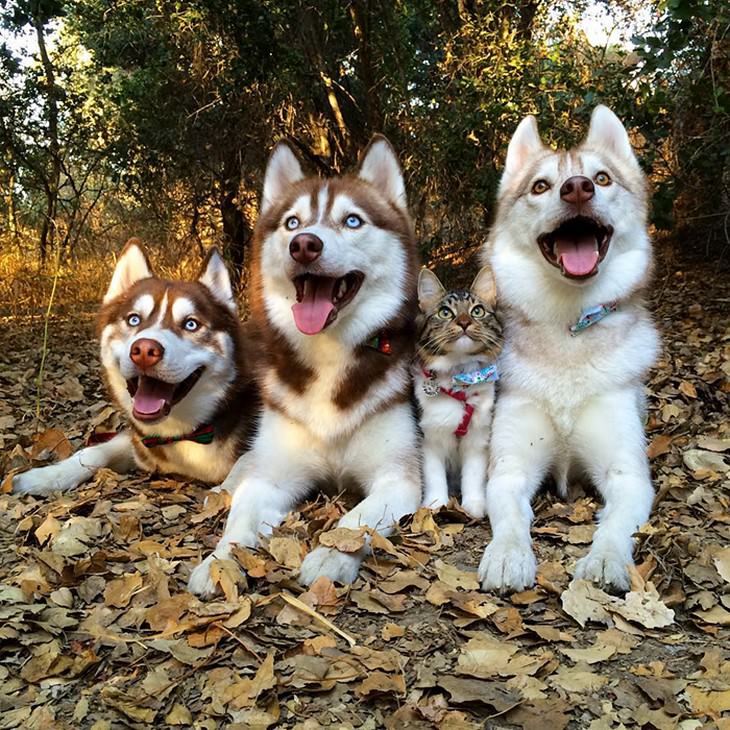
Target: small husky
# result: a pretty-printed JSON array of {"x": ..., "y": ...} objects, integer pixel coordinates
[
  {"x": 572, "y": 257},
  {"x": 175, "y": 364},
  {"x": 334, "y": 298},
  {"x": 455, "y": 375}
]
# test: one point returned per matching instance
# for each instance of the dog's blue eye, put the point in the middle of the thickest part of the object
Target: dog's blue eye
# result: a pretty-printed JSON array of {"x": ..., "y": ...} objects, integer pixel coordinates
[
  {"x": 133, "y": 320},
  {"x": 445, "y": 313},
  {"x": 353, "y": 221},
  {"x": 191, "y": 324},
  {"x": 292, "y": 223}
]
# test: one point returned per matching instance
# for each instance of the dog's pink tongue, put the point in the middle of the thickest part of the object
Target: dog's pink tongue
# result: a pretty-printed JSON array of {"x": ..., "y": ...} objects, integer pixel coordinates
[
  {"x": 152, "y": 396},
  {"x": 577, "y": 256},
  {"x": 312, "y": 313}
]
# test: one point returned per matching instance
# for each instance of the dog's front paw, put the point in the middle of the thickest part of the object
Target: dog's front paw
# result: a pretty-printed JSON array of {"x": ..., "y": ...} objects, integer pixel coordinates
[
  {"x": 200, "y": 581},
  {"x": 606, "y": 566},
  {"x": 36, "y": 482},
  {"x": 475, "y": 507},
  {"x": 507, "y": 565},
  {"x": 336, "y": 565}
]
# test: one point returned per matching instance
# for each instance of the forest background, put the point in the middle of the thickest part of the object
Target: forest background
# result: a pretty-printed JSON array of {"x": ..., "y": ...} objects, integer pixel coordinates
[{"x": 155, "y": 118}]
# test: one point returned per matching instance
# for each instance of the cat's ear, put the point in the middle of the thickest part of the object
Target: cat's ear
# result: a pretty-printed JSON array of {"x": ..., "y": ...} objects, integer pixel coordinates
[
  {"x": 430, "y": 289},
  {"x": 485, "y": 286}
]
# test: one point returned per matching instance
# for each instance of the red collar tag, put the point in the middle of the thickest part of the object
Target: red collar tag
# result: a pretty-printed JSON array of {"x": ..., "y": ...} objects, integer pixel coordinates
[{"x": 381, "y": 343}]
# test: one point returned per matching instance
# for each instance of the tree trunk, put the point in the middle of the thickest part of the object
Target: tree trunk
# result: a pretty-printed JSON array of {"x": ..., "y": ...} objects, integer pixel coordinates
[
  {"x": 48, "y": 229},
  {"x": 236, "y": 231},
  {"x": 10, "y": 203},
  {"x": 366, "y": 66}
]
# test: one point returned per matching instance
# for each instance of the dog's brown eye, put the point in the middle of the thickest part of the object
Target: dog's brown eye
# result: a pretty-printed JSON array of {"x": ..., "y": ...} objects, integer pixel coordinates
[
  {"x": 540, "y": 186},
  {"x": 602, "y": 178}
]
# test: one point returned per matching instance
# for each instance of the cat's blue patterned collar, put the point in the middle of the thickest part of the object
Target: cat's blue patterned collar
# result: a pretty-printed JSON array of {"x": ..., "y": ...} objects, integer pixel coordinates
[
  {"x": 592, "y": 315},
  {"x": 484, "y": 374}
]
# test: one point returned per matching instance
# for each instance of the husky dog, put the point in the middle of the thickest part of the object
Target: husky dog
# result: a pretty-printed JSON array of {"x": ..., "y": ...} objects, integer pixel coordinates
[
  {"x": 571, "y": 255},
  {"x": 460, "y": 339},
  {"x": 175, "y": 364},
  {"x": 334, "y": 297}
]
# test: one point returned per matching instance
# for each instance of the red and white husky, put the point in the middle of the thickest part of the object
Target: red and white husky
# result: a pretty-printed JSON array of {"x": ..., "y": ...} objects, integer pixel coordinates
[
  {"x": 175, "y": 363},
  {"x": 334, "y": 303}
]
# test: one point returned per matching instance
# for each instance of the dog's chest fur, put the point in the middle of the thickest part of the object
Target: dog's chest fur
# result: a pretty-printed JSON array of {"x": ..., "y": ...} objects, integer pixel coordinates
[
  {"x": 331, "y": 387},
  {"x": 563, "y": 372},
  {"x": 207, "y": 462}
]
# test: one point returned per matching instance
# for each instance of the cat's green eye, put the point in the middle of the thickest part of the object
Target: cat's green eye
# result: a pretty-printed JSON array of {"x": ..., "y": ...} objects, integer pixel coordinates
[
  {"x": 478, "y": 311},
  {"x": 445, "y": 313}
]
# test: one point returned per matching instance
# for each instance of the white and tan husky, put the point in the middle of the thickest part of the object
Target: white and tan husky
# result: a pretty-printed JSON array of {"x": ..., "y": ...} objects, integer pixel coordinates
[
  {"x": 571, "y": 255},
  {"x": 334, "y": 297},
  {"x": 175, "y": 363}
]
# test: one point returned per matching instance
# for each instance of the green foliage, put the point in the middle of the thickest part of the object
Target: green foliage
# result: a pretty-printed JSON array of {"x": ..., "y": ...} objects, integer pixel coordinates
[
  {"x": 166, "y": 111},
  {"x": 686, "y": 74}
]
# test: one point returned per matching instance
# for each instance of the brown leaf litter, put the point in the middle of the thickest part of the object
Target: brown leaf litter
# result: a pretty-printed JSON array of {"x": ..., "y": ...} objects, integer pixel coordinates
[{"x": 98, "y": 632}]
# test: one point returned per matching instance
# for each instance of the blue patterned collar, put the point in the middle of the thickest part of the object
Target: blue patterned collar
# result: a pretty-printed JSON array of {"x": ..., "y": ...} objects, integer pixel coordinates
[
  {"x": 486, "y": 374},
  {"x": 592, "y": 315}
]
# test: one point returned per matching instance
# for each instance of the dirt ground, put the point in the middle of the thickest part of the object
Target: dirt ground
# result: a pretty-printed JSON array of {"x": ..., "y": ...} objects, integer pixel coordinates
[{"x": 97, "y": 631}]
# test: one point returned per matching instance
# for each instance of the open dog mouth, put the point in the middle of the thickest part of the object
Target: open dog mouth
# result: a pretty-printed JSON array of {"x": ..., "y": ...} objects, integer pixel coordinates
[
  {"x": 152, "y": 399},
  {"x": 577, "y": 246},
  {"x": 320, "y": 298}
]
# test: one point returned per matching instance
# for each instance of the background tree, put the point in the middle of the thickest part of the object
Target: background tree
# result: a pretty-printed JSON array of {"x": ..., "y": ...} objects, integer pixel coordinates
[{"x": 156, "y": 118}]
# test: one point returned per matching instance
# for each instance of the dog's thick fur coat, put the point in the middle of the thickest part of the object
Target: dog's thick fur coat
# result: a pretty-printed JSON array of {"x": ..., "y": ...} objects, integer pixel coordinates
[
  {"x": 570, "y": 403},
  {"x": 336, "y": 405},
  {"x": 210, "y": 367}
]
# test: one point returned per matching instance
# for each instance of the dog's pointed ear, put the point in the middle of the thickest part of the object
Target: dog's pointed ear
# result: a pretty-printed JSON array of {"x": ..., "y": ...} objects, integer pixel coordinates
[
  {"x": 283, "y": 169},
  {"x": 380, "y": 167},
  {"x": 485, "y": 286},
  {"x": 132, "y": 266},
  {"x": 214, "y": 275},
  {"x": 430, "y": 290},
  {"x": 607, "y": 132},
  {"x": 525, "y": 142}
]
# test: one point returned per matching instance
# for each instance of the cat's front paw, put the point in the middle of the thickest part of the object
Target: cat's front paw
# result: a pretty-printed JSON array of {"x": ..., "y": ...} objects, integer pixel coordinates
[
  {"x": 606, "y": 566},
  {"x": 475, "y": 507},
  {"x": 508, "y": 564},
  {"x": 334, "y": 564},
  {"x": 435, "y": 501}
]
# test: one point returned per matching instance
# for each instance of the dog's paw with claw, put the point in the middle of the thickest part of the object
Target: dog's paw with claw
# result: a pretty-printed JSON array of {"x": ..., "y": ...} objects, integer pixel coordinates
[
  {"x": 607, "y": 567},
  {"x": 507, "y": 565},
  {"x": 475, "y": 507},
  {"x": 200, "y": 583},
  {"x": 47, "y": 480},
  {"x": 337, "y": 566}
]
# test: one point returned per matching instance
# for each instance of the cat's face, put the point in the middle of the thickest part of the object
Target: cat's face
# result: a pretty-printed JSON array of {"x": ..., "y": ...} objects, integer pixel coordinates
[{"x": 459, "y": 321}]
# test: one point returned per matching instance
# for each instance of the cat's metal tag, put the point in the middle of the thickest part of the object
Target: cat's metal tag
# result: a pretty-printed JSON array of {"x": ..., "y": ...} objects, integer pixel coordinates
[{"x": 431, "y": 388}]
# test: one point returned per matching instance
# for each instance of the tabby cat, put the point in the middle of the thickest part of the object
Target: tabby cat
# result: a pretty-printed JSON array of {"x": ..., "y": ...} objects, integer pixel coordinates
[{"x": 455, "y": 373}]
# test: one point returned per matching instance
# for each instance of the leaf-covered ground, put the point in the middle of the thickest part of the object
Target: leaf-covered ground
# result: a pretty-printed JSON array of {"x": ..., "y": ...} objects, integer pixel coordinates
[{"x": 97, "y": 630}]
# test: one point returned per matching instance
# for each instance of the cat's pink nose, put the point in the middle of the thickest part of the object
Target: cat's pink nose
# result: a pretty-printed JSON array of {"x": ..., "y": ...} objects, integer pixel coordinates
[{"x": 463, "y": 321}]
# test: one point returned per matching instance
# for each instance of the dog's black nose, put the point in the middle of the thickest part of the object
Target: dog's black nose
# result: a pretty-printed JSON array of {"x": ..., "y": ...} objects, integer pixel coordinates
[
  {"x": 305, "y": 248},
  {"x": 577, "y": 190}
]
